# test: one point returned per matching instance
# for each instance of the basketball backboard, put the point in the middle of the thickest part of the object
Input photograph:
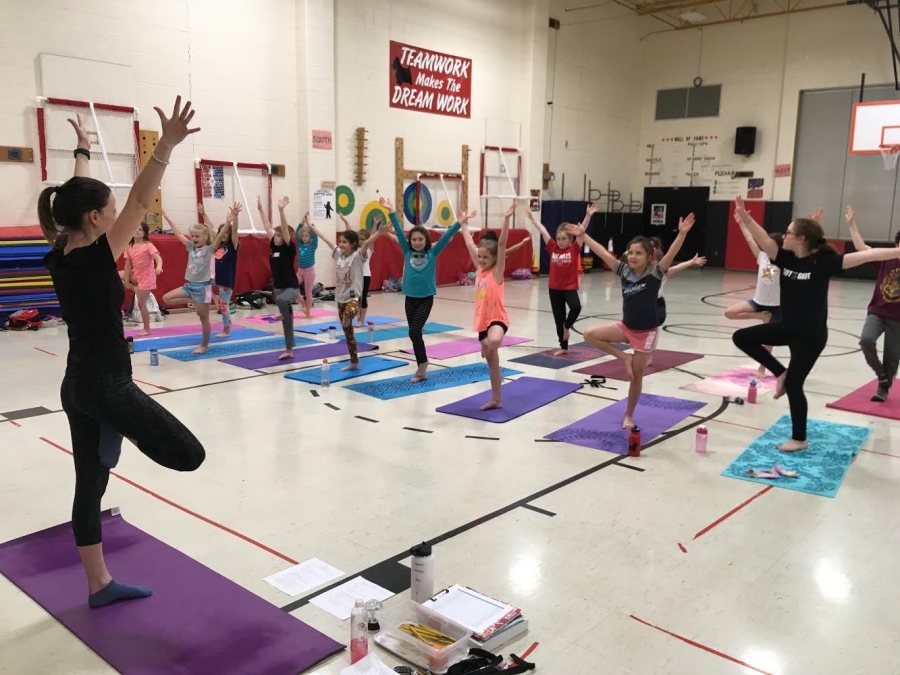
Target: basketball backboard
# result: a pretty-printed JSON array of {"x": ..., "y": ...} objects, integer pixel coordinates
[{"x": 873, "y": 126}]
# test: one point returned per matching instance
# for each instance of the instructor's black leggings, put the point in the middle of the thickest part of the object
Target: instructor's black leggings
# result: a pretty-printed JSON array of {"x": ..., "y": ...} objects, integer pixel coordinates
[
  {"x": 417, "y": 312},
  {"x": 114, "y": 404},
  {"x": 558, "y": 302},
  {"x": 805, "y": 350}
]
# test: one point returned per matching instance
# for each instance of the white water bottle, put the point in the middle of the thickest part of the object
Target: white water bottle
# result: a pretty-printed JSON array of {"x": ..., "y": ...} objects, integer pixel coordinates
[
  {"x": 325, "y": 379},
  {"x": 421, "y": 586},
  {"x": 359, "y": 635},
  {"x": 371, "y": 331}
]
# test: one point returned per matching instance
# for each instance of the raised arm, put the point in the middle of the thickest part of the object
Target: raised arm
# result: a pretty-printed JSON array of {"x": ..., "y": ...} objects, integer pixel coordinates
[
  {"x": 344, "y": 221},
  {"x": 328, "y": 242},
  {"x": 515, "y": 247},
  {"x": 760, "y": 236},
  {"x": 500, "y": 265},
  {"x": 869, "y": 256},
  {"x": 470, "y": 242},
  {"x": 858, "y": 242},
  {"x": 540, "y": 228},
  {"x": 697, "y": 260},
  {"x": 599, "y": 250},
  {"x": 684, "y": 226},
  {"x": 751, "y": 242},
  {"x": 264, "y": 218},
  {"x": 286, "y": 232},
  {"x": 395, "y": 223},
  {"x": 367, "y": 245},
  {"x": 82, "y": 161},
  {"x": 175, "y": 229},
  {"x": 174, "y": 130}
]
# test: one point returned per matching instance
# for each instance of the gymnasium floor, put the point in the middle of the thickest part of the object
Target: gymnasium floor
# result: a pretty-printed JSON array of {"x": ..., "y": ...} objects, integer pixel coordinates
[{"x": 790, "y": 584}]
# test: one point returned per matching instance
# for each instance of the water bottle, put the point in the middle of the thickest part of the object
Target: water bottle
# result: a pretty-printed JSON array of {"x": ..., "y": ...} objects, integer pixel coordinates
[
  {"x": 634, "y": 442},
  {"x": 130, "y": 341},
  {"x": 371, "y": 331},
  {"x": 325, "y": 380},
  {"x": 331, "y": 334},
  {"x": 154, "y": 357},
  {"x": 421, "y": 584},
  {"x": 359, "y": 635},
  {"x": 751, "y": 392},
  {"x": 700, "y": 440}
]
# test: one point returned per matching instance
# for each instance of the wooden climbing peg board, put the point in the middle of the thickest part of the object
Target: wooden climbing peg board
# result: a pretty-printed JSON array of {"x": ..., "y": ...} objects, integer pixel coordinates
[{"x": 402, "y": 174}]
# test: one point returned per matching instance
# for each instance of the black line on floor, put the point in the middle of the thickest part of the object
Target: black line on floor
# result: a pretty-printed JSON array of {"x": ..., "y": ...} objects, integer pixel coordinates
[
  {"x": 314, "y": 393},
  {"x": 483, "y": 438},
  {"x": 421, "y": 431},
  {"x": 530, "y": 507},
  {"x": 628, "y": 466},
  {"x": 366, "y": 419},
  {"x": 687, "y": 372},
  {"x": 332, "y": 406},
  {"x": 544, "y": 440}
]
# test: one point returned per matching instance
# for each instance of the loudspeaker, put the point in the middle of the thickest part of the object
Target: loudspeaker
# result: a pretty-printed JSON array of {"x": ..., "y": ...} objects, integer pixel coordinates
[{"x": 745, "y": 141}]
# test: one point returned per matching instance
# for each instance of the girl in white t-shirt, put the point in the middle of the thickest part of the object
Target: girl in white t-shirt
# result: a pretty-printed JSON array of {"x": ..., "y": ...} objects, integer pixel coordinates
[{"x": 766, "y": 302}]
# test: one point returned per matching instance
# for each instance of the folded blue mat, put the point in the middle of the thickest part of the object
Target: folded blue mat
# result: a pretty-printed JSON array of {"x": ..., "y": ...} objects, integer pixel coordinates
[
  {"x": 367, "y": 366},
  {"x": 438, "y": 378},
  {"x": 224, "y": 349},
  {"x": 194, "y": 339}
]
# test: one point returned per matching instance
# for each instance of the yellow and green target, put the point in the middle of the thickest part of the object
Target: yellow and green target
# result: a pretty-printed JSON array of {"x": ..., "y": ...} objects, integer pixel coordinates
[
  {"x": 370, "y": 212},
  {"x": 343, "y": 195},
  {"x": 445, "y": 214}
]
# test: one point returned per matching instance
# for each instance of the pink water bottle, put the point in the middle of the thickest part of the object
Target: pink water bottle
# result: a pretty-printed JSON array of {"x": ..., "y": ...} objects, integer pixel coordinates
[
  {"x": 751, "y": 392},
  {"x": 359, "y": 636},
  {"x": 700, "y": 440}
]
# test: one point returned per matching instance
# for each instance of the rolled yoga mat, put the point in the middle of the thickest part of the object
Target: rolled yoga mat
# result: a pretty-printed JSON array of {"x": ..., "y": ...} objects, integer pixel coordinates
[
  {"x": 454, "y": 348},
  {"x": 578, "y": 353},
  {"x": 194, "y": 339},
  {"x": 196, "y": 621},
  {"x": 859, "y": 401},
  {"x": 519, "y": 397},
  {"x": 603, "y": 430},
  {"x": 168, "y": 331},
  {"x": 821, "y": 469},
  {"x": 316, "y": 328},
  {"x": 224, "y": 349},
  {"x": 367, "y": 366},
  {"x": 276, "y": 318},
  {"x": 438, "y": 378},
  {"x": 734, "y": 382},
  {"x": 317, "y": 352},
  {"x": 662, "y": 360}
]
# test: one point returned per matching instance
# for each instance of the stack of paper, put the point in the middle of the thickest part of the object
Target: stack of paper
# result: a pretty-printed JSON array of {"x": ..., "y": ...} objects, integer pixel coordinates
[{"x": 493, "y": 623}]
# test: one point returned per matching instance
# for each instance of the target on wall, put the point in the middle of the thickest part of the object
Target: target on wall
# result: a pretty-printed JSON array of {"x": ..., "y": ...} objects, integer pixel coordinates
[
  {"x": 370, "y": 213},
  {"x": 445, "y": 214},
  {"x": 424, "y": 203},
  {"x": 343, "y": 195}
]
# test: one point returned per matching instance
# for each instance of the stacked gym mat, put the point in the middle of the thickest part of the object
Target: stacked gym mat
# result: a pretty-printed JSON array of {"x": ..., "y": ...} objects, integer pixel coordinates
[{"x": 24, "y": 281}]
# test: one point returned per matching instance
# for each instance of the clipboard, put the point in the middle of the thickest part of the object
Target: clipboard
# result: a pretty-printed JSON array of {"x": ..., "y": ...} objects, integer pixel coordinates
[{"x": 481, "y": 614}]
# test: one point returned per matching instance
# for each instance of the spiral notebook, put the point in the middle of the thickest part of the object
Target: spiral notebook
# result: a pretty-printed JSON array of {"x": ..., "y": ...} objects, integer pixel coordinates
[{"x": 481, "y": 614}]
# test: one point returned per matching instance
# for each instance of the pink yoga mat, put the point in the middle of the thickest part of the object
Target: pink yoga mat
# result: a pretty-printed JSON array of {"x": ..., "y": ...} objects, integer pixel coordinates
[
  {"x": 276, "y": 318},
  {"x": 732, "y": 383},
  {"x": 170, "y": 331},
  {"x": 858, "y": 402},
  {"x": 449, "y": 350},
  {"x": 662, "y": 360}
]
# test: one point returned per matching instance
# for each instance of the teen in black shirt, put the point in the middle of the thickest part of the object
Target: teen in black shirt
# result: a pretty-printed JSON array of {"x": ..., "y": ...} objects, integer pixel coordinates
[{"x": 807, "y": 264}]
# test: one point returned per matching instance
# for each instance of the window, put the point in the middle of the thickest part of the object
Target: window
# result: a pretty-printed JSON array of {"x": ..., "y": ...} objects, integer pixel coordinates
[{"x": 677, "y": 104}]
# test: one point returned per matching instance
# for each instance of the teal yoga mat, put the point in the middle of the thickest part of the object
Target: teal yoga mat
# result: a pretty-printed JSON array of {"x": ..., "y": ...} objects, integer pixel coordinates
[
  {"x": 224, "y": 349},
  {"x": 438, "y": 378},
  {"x": 398, "y": 332},
  {"x": 822, "y": 468},
  {"x": 367, "y": 366},
  {"x": 316, "y": 328},
  {"x": 175, "y": 341}
]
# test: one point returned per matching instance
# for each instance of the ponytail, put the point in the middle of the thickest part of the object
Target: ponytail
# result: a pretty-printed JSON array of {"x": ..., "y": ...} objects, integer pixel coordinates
[
  {"x": 823, "y": 248},
  {"x": 70, "y": 202},
  {"x": 812, "y": 232},
  {"x": 49, "y": 228}
]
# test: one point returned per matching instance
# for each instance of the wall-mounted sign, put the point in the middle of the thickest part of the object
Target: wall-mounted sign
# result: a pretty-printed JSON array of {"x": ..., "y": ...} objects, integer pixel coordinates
[
  {"x": 321, "y": 140},
  {"x": 429, "y": 81}
]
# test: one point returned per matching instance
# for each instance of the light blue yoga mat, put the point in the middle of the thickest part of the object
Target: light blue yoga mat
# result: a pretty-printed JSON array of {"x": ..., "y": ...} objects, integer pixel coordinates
[
  {"x": 367, "y": 366},
  {"x": 316, "y": 328},
  {"x": 822, "y": 467},
  {"x": 175, "y": 341},
  {"x": 398, "y": 332},
  {"x": 438, "y": 378},
  {"x": 224, "y": 349}
]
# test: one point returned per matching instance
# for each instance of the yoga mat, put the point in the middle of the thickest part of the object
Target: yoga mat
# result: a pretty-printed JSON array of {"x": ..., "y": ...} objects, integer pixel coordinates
[
  {"x": 367, "y": 366},
  {"x": 316, "y": 353},
  {"x": 603, "y": 430},
  {"x": 662, "y": 360},
  {"x": 276, "y": 318},
  {"x": 822, "y": 468},
  {"x": 316, "y": 328},
  {"x": 733, "y": 383},
  {"x": 194, "y": 339},
  {"x": 398, "y": 332},
  {"x": 217, "y": 351},
  {"x": 438, "y": 378},
  {"x": 454, "y": 348},
  {"x": 169, "y": 331},
  {"x": 519, "y": 397},
  {"x": 578, "y": 353},
  {"x": 858, "y": 402},
  {"x": 196, "y": 621}
]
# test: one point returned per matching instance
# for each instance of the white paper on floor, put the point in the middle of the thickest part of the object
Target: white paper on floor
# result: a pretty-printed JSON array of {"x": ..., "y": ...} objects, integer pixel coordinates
[
  {"x": 304, "y": 577},
  {"x": 370, "y": 665},
  {"x": 340, "y": 600}
]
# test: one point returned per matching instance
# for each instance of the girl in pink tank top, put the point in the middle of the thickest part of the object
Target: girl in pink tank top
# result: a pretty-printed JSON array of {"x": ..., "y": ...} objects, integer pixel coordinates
[{"x": 491, "y": 319}]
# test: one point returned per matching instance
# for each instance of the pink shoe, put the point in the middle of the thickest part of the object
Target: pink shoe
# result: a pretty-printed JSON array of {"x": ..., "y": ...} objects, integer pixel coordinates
[
  {"x": 771, "y": 473},
  {"x": 785, "y": 472}
]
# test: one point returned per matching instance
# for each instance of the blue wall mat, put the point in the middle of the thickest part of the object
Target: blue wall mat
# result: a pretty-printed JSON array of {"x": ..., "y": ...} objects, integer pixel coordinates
[
  {"x": 322, "y": 327},
  {"x": 223, "y": 349},
  {"x": 367, "y": 366},
  {"x": 175, "y": 341},
  {"x": 822, "y": 468},
  {"x": 438, "y": 378},
  {"x": 397, "y": 332}
]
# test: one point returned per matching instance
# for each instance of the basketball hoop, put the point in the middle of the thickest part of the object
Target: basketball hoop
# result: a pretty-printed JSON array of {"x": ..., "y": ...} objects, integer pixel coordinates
[{"x": 890, "y": 154}]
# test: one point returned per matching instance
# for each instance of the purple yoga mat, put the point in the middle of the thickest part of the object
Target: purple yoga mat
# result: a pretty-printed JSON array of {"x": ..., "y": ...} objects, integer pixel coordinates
[
  {"x": 454, "y": 348},
  {"x": 196, "y": 621},
  {"x": 314, "y": 353},
  {"x": 169, "y": 331},
  {"x": 603, "y": 430},
  {"x": 662, "y": 360},
  {"x": 577, "y": 353},
  {"x": 519, "y": 397}
]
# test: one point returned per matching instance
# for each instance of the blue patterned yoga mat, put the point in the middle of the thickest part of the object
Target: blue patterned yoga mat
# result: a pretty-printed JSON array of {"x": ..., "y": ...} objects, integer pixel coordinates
[
  {"x": 336, "y": 373},
  {"x": 438, "y": 378},
  {"x": 194, "y": 339},
  {"x": 396, "y": 332},
  {"x": 323, "y": 326},
  {"x": 223, "y": 349},
  {"x": 822, "y": 468}
]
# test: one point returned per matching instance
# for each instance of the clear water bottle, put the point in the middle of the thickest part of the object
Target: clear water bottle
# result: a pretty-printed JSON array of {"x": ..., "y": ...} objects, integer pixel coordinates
[
  {"x": 331, "y": 333},
  {"x": 371, "y": 327},
  {"x": 326, "y": 375},
  {"x": 700, "y": 440},
  {"x": 154, "y": 357},
  {"x": 359, "y": 635}
]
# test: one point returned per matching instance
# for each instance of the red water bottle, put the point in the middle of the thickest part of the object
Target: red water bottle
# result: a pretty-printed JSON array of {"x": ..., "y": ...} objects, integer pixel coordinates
[
  {"x": 634, "y": 442},
  {"x": 751, "y": 392}
]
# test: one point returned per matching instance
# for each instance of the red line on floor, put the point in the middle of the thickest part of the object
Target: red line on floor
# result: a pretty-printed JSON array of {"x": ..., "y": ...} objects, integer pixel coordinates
[
  {"x": 186, "y": 510},
  {"x": 709, "y": 650},
  {"x": 733, "y": 511},
  {"x": 681, "y": 546},
  {"x": 884, "y": 454},
  {"x": 45, "y": 351},
  {"x": 150, "y": 384},
  {"x": 534, "y": 645},
  {"x": 15, "y": 424}
]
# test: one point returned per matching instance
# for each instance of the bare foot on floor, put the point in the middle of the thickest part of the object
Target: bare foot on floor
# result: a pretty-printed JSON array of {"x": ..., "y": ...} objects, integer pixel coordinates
[
  {"x": 627, "y": 422},
  {"x": 779, "y": 385},
  {"x": 352, "y": 366},
  {"x": 421, "y": 374},
  {"x": 144, "y": 333},
  {"x": 491, "y": 405},
  {"x": 224, "y": 334},
  {"x": 287, "y": 355},
  {"x": 560, "y": 352},
  {"x": 202, "y": 349},
  {"x": 761, "y": 373},
  {"x": 793, "y": 446},
  {"x": 629, "y": 368}
]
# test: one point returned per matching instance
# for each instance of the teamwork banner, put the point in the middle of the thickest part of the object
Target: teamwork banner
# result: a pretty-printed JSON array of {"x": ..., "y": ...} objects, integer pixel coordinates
[{"x": 430, "y": 82}]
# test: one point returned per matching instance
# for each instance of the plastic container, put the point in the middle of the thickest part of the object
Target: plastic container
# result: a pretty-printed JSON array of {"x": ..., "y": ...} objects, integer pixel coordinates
[
  {"x": 154, "y": 357},
  {"x": 371, "y": 327},
  {"x": 331, "y": 333},
  {"x": 359, "y": 635},
  {"x": 421, "y": 585},
  {"x": 130, "y": 341},
  {"x": 751, "y": 392},
  {"x": 700, "y": 440},
  {"x": 325, "y": 380},
  {"x": 634, "y": 442},
  {"x": 418, "y": 653}
]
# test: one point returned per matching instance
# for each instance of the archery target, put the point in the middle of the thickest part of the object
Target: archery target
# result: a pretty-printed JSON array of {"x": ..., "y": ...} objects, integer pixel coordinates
[
  {"x": 345, "y": 199},
  {"x": 369, "y": 213},
  {"x": 409, "y": 203}
]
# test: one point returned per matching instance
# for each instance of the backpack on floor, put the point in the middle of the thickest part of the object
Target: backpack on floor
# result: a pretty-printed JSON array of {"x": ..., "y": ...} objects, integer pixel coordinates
[
  {"x": 522, "y": 274},
  {"x": 250, "y": 300},
  {"x": 482, "y": 662},
  {"x": 24, "y": 319}
]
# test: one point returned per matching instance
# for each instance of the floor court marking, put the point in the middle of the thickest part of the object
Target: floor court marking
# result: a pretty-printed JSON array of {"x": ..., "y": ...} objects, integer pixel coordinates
[
  {"x": 186, "y": 510},
  {"x": 45, "y": 351},
  {"x": 728, "y": 515},
  {"x": 681, "y": 546},
  {"x": 883, "y": 454},
  {"x": 710, "y": 650},
  {"x": 150, "y": 384}
]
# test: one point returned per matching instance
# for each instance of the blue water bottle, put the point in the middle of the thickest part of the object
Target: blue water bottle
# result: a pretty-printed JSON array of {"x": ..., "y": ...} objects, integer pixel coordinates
[{"x": 154, "y": 357}]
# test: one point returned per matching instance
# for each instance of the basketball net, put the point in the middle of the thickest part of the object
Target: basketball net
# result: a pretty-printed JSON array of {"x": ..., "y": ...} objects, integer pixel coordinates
[{"x": 890, "y": 154}]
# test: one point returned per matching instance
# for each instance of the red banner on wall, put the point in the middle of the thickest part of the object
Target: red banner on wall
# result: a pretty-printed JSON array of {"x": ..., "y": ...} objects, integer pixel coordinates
[{"x": 430, "y": 82}]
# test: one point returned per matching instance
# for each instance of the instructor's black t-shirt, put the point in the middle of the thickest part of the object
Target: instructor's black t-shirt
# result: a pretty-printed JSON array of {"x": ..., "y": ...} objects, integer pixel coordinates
[
  {"x": 281, "y": 261},
  {"x": 804, "y": 289},
  {"x": 90, "y": 296}
]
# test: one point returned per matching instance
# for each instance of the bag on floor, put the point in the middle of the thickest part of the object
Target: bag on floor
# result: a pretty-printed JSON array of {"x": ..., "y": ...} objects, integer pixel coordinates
[
  {"x": 24, "y": 319},
  {"x": 318, "y": 290},
  {"x": 521, "y": 274},
  {"x": 482, "y": 662},
  {"x": 250, "y": 300},
  {"x": 391, "y": 285}
]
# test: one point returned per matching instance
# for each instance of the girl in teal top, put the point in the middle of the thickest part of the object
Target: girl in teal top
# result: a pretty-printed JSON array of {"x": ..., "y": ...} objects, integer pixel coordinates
[{"x": 307, "y": 243}]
